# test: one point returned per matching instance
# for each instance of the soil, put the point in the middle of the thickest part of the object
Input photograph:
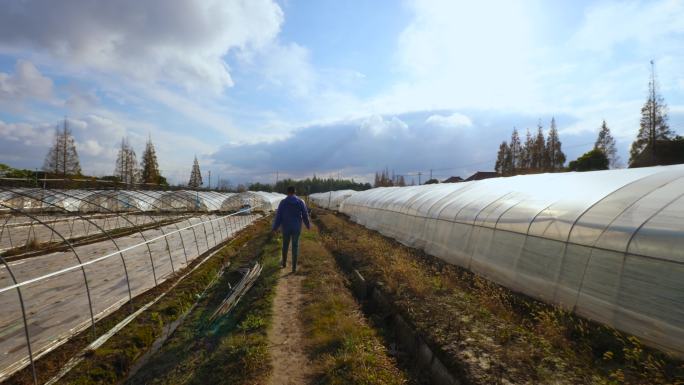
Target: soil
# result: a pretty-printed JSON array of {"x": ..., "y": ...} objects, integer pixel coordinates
[{"x": 286, "y": 338}]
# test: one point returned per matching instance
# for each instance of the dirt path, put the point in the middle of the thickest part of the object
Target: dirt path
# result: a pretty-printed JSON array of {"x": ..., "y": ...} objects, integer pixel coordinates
[{"x": 290, "y": 362}]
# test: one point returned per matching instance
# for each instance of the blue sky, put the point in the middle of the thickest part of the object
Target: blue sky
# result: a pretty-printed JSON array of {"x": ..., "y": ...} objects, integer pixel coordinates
[{"x": 300, "y": 87}]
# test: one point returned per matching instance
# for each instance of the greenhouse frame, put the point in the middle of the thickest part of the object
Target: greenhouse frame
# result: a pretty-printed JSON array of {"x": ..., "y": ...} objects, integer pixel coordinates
[
  {"x": 71, "y": 257},
  {"x": 608, "y": 245}
]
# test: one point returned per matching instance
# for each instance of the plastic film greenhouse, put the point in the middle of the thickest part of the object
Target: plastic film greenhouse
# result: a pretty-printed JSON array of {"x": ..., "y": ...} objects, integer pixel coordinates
[
  {"x": 331, "y": 199},
  {"x": 613, "y": 253},
  {"x": 71, "y": 257}
]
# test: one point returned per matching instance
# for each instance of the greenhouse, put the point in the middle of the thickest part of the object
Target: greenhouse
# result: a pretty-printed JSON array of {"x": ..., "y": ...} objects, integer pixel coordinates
[
  {"x": 613, "y": 252},
  {"x": 101, "y": 201},
  {"x": 261, "y": 200},
  {"x": 332, "y": 199},
  {"x": 71, "y": 257}
]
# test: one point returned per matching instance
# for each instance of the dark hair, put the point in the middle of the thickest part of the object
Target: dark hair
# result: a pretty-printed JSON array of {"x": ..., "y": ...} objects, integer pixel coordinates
[{"x": 291, "y": 190}]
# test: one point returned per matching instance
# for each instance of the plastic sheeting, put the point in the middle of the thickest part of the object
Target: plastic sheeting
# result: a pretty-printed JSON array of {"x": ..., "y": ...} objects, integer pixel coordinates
[
  {"x": 255, "y": 199},
  {"x": 332, "y": 199},
  {"x": 87, "y": 201},
  {"x": 608, "y": 245}
]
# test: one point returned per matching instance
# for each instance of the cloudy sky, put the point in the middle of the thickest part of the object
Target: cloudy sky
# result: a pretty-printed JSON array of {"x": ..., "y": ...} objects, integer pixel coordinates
[{"x": 297, "y": 87}]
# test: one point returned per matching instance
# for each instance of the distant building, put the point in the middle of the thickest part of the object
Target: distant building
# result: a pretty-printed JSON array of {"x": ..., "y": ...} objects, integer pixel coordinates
[
  {"x": 482, "y": 175},
  {"x": 453, "y": 179}
]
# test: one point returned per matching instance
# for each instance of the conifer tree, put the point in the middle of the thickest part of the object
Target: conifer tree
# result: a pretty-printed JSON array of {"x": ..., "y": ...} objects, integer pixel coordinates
[
  {"x": 527, "y": 151},
  {"x": 127, "y": 165},
  {"x": 514, "y": 152},
  {"x": 501, "y": 157},
  {"x": 62, "y": 158},
  {"x": 539, "y": 149},
  {"x": 195, "y": 175},
  {"x": 149, "y": 165},
  {"x": 606, "y": 143},
  {"x": 653, "y": 125},
  {"x": 554, "y": 152}
]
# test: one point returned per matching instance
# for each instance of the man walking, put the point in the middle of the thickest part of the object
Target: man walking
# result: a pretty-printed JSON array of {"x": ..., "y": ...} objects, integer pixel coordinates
[{"x": 290, "y": 215}]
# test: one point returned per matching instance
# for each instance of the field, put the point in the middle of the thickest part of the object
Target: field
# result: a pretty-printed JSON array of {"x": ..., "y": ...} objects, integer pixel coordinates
[{"x": 361, "y": 309}]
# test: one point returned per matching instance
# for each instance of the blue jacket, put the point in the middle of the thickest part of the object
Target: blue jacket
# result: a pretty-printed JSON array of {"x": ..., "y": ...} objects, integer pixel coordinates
[{"x": 291, "y": 212}]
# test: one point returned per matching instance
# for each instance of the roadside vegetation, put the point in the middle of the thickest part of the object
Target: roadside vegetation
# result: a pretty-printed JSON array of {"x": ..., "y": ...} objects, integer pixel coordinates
[
  {"x": 343, "y": 347},
  {"x": 112, "y": 362},
  {"x": 233, "y": 349},
  {"x": 485, "y": 333}
]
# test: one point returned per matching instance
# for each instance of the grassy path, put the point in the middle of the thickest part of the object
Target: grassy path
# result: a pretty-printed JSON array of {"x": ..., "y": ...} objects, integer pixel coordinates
[
  {"x": 343, "y": 347},
  {"x": 291, "y": 364}
]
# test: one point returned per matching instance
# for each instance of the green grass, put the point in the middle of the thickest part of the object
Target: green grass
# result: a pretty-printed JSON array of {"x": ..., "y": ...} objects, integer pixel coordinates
[
  {"x": 343, "y": 347},
  {"x": 232, "y": 350}
]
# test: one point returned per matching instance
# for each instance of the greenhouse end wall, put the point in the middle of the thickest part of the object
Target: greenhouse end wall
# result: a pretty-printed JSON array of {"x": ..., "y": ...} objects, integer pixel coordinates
[{"x": 608, "y": 245}]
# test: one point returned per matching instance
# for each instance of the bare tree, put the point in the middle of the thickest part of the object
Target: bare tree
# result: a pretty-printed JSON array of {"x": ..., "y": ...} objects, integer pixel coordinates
[
  {"x": 62, "y": 158},
  {"x": 195, "y": 175},
  {"x": 127, "y": 165}
]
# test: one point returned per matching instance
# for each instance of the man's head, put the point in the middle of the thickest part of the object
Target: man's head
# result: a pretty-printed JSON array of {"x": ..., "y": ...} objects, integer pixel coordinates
[{"x": 290, "y": 190}]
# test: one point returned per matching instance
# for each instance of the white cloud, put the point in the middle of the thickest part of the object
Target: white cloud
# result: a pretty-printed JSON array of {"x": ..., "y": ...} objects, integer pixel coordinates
[
  {"x": 26, "y": 134},
  {"x": 150, "y": 41},
  {"x": 376, "y": 125},
  {"x": 463, "y": 54},
  {"x": 25, "y": 83},
  {"x": 454, "y": 120},
  {"x": 90, "y": 147}
]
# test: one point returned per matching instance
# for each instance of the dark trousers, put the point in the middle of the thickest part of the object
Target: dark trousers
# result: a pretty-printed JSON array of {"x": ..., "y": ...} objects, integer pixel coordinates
[{"x": 289, "y": 235}]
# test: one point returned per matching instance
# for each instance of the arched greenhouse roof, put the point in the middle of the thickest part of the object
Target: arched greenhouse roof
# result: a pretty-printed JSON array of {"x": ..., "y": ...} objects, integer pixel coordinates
[
  {"x": 331, "y": 199},
  {"x": 606, "y": 244}
]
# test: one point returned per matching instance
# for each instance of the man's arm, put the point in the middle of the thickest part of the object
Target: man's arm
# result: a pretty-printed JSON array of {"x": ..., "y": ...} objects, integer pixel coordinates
[
  {"x": 305, "y": 214},
  {"x": 278, "y": 218}
]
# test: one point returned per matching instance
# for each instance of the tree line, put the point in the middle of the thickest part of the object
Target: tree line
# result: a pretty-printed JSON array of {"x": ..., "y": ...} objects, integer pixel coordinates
[
  {"x": 62, "y": 161},
  {"x": 655, "y": 144},
  {"x": 310, "y": 185},
  {"x": 384, "y": 179},
  {"x": 536, "y": 154}
]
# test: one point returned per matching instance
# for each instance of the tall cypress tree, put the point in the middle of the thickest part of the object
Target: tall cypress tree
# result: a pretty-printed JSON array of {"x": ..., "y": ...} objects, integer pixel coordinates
[
  {"x": 539, "y": 149},
  {"x": 149, "y": 165},
  {"x": 62, "y": 158},
  {"x": 515, "y": 152},
  {"x": 501, "y": 166},
  {"x": 606, "y": 143},
  {"x": 653, "y": 124},
  {"x": 527, "y": 151},
  {"x": 195, "y": 175},
  {"x": 554, "y": 153}
]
